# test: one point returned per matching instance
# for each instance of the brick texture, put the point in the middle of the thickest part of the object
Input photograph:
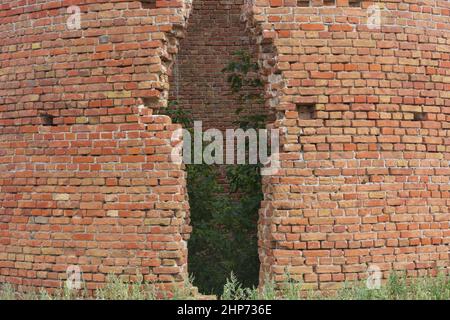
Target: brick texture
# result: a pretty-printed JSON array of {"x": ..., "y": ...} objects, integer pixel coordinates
[
  {"x": 365, "y": 156},
  {"x": 85, "y": 176},
  {"x": 215, "y": 32}
]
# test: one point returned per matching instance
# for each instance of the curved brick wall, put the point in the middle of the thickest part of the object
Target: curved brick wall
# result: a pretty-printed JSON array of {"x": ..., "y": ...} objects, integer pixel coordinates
[
  {"x": 96, "y": 189},
  {"x": 365, "y": 177},
  {"x": 214, "y": 33}
]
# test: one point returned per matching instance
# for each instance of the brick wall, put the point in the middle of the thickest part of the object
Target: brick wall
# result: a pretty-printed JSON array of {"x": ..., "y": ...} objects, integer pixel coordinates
[
  {"x": 85, "y": 177},
  {"x": 365, "y": 159},
  {"x": 214, "y": 33},
  {"x": 198, "y": 83}
]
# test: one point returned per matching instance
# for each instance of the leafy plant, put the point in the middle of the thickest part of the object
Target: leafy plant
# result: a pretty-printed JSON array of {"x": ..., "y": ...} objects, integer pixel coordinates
[
  {"x": 242, "y": 71},
  {"x": 397, "y": 287},
  {"x": 178, "y": 115},
  {"x": 223, "y": 239},
  {"x": 243, "y": 78},
  {"x": 7, "y": 292},
  {"x": 118, "y": 289}
]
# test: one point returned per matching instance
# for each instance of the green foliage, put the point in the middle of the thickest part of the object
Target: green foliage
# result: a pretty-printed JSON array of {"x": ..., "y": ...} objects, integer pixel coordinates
[
  {"x": 397, "y": 287},
  {"x": 178, "y": 115},
  {"x": 7, "y": 292},
  {"x": 117, "y": 289},
  {"x": 292, "y": 289},
  {"x": 183, "y": 292},
  {"x": 233, "y": 290},
  {"x": 242, "y": 72},
  {"x": 256, "y": 121},
  {"x": 224, "y": 228},
  {"x": 243, "y": 77},
  {"x": 223, "y": 237},
  {"x": 63, "y": 293}
]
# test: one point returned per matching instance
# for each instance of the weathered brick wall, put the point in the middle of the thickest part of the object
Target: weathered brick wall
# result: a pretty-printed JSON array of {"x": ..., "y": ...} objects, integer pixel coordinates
[
  {"x": 365, "y": 162},
  {"x": 198, "y": 83},
  {"x": 365, "y": 172},
  {"x": 97, "y": 188}
]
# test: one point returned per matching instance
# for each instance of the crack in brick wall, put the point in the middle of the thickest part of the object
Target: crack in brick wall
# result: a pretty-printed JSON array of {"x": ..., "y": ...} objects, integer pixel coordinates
[{"x": 364, "y": 181}]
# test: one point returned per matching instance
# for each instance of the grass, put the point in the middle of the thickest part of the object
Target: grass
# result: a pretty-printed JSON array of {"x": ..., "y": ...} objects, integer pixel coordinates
[{"x": 397, "y": 287}]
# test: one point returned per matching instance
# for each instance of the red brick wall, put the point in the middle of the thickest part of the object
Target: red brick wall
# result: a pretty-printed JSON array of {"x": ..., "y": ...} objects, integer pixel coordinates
[
  {"x": 97, "y": 189},
  {"x": 365, "y": 172},
  {"x": 214, "y": 33}
]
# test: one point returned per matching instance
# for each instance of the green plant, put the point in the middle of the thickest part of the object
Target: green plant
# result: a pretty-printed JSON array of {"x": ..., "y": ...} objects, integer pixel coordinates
[
  {"x": 220, "y": 242},
  {"x": 243, "y": 72},
  {"x": 233, "y": 290},
  {"x": 291, "y": 289},
  {"x": 183, "y": 292},
  {"x": 245, "y": 82},
  {"x": 399, "y": 287},
  {"x": 178, "y": 115},
  {"x": 118, "y": 289},
  {"x": 224, "y": 237},
  {"x": 7, "y": 292}
]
